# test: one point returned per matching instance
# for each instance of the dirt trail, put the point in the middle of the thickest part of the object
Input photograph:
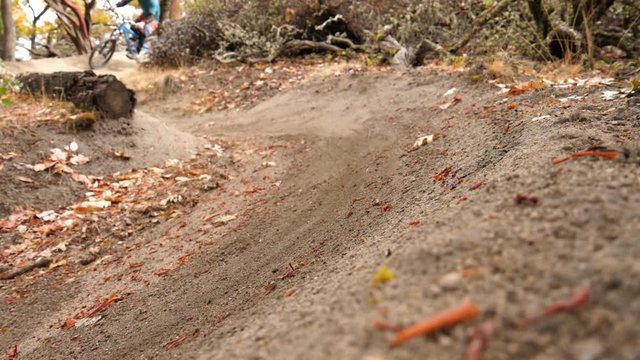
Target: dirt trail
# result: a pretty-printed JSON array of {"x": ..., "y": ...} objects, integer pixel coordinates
[
  {"x": 119, "y": 65},
  {"x": 291, "y": 279}
]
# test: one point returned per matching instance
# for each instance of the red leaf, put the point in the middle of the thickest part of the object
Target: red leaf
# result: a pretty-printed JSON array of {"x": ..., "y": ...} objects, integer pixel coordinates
[
  {"x": 135, "y": 265},
  {"x": 163, "y": 272},
  {"x": 386, "y": 208},
  {"x": 175, "y": 343},
  {"x": 575, "y": 302},
  {"x": 13, "y": 353},
  {"x": 479, "y": 340},
  {"x": 414, "y": 222},
  {"x": 522, "y": 199},
  {"x": 444, "y": 174}
]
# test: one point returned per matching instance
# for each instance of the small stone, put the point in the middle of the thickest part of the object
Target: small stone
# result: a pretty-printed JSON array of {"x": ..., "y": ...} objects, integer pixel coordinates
[
  {"x": 450, "y": 280},
  {"x": 87, "y": 259}
]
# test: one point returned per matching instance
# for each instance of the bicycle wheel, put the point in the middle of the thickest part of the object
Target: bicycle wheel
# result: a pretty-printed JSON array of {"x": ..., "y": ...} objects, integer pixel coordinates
[{"x": 102, "y": 53}]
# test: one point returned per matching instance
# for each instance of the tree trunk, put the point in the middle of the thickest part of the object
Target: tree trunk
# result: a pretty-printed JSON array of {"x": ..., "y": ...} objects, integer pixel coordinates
[
  {"x": 164, "y": 9},
  {"x": 73, "y": 24},
  {"x": 175, "y": 12},
  {"x": 9, "y": 33},
  {"x": 104, "y": 94}
]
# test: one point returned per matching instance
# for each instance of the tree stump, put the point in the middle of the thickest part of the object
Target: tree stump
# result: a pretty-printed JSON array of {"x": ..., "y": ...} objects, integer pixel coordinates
[{"x": 104, "y": 94}]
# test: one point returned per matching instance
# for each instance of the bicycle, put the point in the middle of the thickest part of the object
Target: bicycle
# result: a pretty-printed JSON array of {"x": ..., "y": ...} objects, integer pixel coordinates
[{"x": 103, "y": 52}]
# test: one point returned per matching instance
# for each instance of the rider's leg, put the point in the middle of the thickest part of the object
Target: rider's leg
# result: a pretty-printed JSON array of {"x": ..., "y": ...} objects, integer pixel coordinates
[{"x": 149, "y": 28}]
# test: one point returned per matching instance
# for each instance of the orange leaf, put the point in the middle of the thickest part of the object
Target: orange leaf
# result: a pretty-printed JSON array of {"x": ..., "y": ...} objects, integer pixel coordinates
[
  {"x": 163, "y": 272},
  {"x": 102, "y": 307},
  {"x": 175, "y": 343},
  {"x": 68, "y": 324}
]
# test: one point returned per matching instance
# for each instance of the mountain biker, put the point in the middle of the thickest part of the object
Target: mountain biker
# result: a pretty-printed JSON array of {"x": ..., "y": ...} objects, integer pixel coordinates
[{"x": 145, "y": 24}]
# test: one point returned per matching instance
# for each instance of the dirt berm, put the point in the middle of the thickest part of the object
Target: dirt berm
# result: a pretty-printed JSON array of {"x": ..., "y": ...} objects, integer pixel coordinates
[{"x": 293, "y": 278}]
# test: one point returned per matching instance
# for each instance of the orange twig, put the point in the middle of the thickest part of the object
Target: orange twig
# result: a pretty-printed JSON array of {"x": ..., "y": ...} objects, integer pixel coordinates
[
  {"x": 611, "y": 155},
  {"x": 460, "y": 313}
]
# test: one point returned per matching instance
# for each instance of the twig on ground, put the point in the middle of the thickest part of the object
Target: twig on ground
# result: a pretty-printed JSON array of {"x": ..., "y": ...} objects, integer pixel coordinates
[
  {"x": 611, "y": 155},
  {"x": 465, "y": 311}
]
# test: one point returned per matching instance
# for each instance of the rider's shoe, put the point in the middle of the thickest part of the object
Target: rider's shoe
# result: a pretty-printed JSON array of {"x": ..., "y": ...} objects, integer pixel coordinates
[{"x": 143, "y": 56}]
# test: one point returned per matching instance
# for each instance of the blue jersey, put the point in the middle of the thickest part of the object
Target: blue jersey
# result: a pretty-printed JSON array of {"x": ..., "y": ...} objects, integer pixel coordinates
[{"x": 149, "y": 8}]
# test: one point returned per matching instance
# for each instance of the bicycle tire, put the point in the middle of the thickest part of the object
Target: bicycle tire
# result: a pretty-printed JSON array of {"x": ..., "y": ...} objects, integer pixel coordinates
[{"x": 105, "y": 51}]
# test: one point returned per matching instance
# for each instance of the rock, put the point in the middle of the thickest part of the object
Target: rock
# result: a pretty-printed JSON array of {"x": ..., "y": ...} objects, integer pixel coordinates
[
  {"x": 87, "y": 259},
  {"x": 450, "y": 281}
]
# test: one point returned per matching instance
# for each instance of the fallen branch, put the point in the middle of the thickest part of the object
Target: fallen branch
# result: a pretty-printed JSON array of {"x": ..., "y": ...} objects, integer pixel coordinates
[
  {"x": 295, "y": 46},
  {"x": 481, "y": 20},
  {"x": 39, "y": 263}
]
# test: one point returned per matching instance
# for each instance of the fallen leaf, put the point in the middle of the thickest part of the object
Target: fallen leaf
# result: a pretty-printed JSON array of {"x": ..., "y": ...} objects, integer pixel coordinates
[
  {"x": 386, "y": 208},
  {"x": 425, "y": 140},
  {"x": 479, "y": 339},
  {"x": 522, "y": 199},
  {"x": 47, "y": 216},
  {"x": 223, "y": 220},
  {"x": 175, "y": 343},
  {"x": 451, "y": 103},
  {"x": 79, "y": 159},
  {"x": 414, "y": 222},
  {"x": 8, "y": 156},
  {"x": 91, "y": 206},
  {"x": 58, "y": 155},
  {"x": 122, "y": 155},
  {"x": 575, "y": 302},
  {"x": 163, "y": 272},
  {"x": 25, "y": 179},
  {"x": 68, "y": 324},
  {"x": 13, "y": 353},
  {"x": 450, "y": 92},
  {"x": 58, "y": 264},
  {"x": 383, "y": 276},
  {"x": 104, "y": 305}
]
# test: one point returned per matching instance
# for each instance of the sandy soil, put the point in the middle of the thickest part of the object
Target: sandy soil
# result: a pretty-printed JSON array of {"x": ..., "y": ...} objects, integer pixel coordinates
[
  {"x": 291, "y": 277},
  {"x": 119, "y": 65}
]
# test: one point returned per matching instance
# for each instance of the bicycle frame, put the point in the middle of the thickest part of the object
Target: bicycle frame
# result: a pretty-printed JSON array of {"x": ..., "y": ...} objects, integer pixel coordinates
[{"x": 124, "y": 28}]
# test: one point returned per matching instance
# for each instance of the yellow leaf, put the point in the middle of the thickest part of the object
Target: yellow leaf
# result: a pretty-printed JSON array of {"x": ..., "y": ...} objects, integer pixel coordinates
[{"x": 383, "y": 276}]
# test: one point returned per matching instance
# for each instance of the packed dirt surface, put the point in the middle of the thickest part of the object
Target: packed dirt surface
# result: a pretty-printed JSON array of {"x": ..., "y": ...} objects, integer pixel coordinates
[
  {"x": 119, "y": 65},
  {"x": 319, "y": 188}
]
